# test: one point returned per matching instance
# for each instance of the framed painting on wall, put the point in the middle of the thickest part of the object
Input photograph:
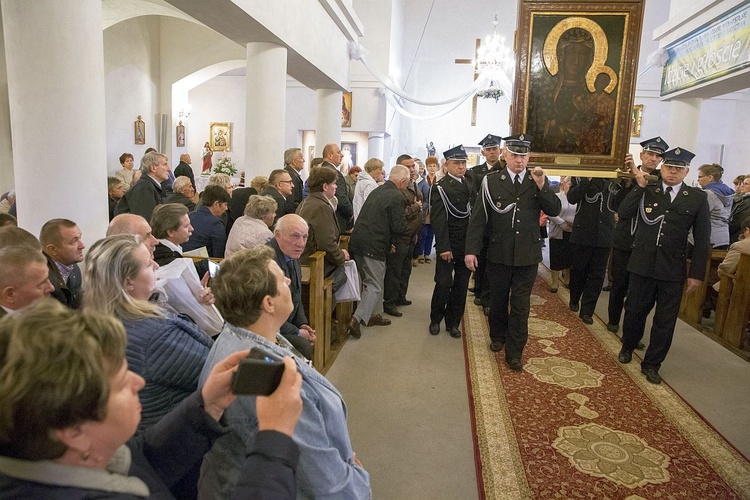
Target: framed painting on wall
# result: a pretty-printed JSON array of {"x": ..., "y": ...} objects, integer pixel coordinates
[
  {"x": 139, "y": 131},
  {"x": 575, "y": 79},
  {"x": 180, "y": 135},
  {"x": 635, "y": 123},
  {"x": 220, "y": 136},
  {"x": 346, "y": 109},
  {"x": 349, "y": 152}
]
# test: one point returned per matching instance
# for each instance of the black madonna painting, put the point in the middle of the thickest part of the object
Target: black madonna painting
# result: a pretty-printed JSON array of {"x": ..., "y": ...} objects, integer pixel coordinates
[{"x": 575, "y": 79}]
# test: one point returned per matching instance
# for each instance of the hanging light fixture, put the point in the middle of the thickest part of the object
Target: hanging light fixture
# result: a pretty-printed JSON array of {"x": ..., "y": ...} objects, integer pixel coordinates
[{"x": 496, "y": 59}]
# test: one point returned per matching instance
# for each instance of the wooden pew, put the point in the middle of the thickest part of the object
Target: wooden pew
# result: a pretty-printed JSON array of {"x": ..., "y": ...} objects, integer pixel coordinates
[
  {"x": 733, "y": 307},
  {"x": 691, "y": 305},
  {"x": 319, "y": 306}
]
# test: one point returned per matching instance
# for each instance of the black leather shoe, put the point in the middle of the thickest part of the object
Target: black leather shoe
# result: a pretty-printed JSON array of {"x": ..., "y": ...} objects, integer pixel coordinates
[
  {"x": 641, "y": 346},
  {"x": 486, "y": 310},
  {"x": 496, "y": 346},
  {"x": 553, "y": 290},
  {"x": 625, "y": 356},
  {"x": 455, "y": 332},
  {"x": 588, "y": 320},
  {"x": 613, "y": 328},
  {"x": 392, "y": 311},
  {"x": 573, "y": 307},
  {"x": 378, "y": 320},
  {"x": 353, "y": 328},
  {"x": 403, "y": 302},
  {"x": 514, "y": 364},
  {"x": 651, "y": 375},
  {"x": 471, "y": 289},
  {"x": 434, "y": 328},
  {"x": 607, "y": 288},
  {"x": 477, "y": 301}
]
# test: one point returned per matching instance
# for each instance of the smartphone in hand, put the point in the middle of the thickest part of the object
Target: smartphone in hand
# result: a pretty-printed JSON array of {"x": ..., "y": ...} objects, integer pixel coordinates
[{"x": 258, "y": 375}]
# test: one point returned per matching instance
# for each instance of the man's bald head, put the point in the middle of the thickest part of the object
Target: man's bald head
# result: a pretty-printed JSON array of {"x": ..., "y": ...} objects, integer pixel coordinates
[{"x": 135, "y": 225}]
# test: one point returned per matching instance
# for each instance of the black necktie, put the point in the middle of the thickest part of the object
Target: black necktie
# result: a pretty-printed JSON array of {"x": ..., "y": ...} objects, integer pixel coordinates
[
  {"x": 517, "y": 182},
  {"x": 668, "y": 193},
  {"x": 291, "y": 273}
]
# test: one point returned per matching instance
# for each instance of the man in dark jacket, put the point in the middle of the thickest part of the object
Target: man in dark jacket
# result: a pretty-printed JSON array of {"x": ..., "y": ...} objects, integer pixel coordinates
[
  {"x": 294, "y": 162},
  {"x": 592, "y": 235},
  {"x": 507, "y": 214},
  {"x": 450, "y": 209},
  {"x": 494, "y": 161},
  {"x": 288, "y": 243},
  {"x": 622, "y": 238},
  {"x": 208, "y": 230},
  {"x": 184, "y": 169},
  {"x": 378, "y": 226},
  {"x": 666, "y": 212},
  {"x": 344, "y": 210},
  {"x": 142, "y": 198},
  {"x": 398, "y": 264},
  {"x": 280, "y": 189},
  {"x": 62, "y": 244}
]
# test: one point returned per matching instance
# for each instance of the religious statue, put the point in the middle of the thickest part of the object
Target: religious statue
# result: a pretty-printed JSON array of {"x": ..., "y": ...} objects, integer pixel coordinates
[{"x": 430, "y": 149}]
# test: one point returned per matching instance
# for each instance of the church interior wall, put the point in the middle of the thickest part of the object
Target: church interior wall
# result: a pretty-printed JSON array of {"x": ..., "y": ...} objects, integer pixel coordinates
[{"x": 131, "y": 84}]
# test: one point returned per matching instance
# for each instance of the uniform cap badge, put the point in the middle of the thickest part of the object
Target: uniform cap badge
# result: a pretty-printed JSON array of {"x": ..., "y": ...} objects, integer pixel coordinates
[
  {"x": 649, "y": 210},
  {"x": 677, "y": 151}
]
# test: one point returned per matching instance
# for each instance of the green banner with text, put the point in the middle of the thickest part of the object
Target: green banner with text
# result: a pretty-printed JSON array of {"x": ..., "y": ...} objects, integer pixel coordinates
[{"x": 712, "y": 51}]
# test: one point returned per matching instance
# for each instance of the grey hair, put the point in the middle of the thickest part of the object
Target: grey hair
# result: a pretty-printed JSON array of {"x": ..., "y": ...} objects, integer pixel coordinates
[
  {"x": 399, "y": 173},
  {"x": 259, "y": 206},
  {"x": 181, "y": 183},
  {"x": 289, "y": 155},
  {"x": 149, "y": 160}
]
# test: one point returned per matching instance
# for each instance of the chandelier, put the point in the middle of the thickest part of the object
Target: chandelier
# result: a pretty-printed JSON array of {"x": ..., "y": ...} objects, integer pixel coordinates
[{"x": 497, "y": 60}]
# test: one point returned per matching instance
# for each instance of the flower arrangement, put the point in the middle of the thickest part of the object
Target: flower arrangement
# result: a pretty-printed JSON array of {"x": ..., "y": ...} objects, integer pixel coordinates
[{"x": 225, "y": 165}]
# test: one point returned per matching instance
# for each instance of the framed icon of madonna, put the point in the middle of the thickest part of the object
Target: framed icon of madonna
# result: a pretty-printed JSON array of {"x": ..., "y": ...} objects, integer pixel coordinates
[{"x": 574, "y": 87}]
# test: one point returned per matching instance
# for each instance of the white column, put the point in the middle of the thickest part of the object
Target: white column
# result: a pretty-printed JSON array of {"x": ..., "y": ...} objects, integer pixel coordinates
[
  {"x": 266, "y": 108},
  {"x": 684, "y": 117},
  {"x": 375, "y": 145},
  {"x": 55, "y": 63},
  {"x": 328, "y": 129},
  {"x": 6, "y": 152}
]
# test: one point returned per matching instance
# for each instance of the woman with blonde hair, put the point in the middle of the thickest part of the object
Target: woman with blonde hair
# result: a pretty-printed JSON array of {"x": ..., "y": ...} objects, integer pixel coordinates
[
  {"x": 252, "y": 229},
  {"x": 167, "y": 350}
]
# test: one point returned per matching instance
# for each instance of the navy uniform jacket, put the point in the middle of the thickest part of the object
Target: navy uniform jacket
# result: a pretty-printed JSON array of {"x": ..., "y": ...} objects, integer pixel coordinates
[
  {"x": 660, "y": 244},
  {"x": 478, "y": 172},
  {"x": 450, "y": 222},
  {"x": 623, "y": 234},
  {"x": 514, "y": 237},
  {"x": 595, "y": 211}
]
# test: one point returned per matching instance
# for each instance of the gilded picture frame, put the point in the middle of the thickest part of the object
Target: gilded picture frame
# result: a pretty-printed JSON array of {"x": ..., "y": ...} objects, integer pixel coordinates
[
  {"x": 346, "y": 109},
  {"x": 576, "y": 65},
  {"x": 139, "y": 131},
  {"x": 220, "y": 136},
  {"x": 636, "y": 119}
]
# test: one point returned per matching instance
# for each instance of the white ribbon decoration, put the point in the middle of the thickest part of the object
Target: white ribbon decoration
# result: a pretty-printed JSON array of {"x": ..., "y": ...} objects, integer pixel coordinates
[
  {"x": 359, "y": 53},
  {"x": 656, "y": 59},
  {"x": 398, "y": 107}
]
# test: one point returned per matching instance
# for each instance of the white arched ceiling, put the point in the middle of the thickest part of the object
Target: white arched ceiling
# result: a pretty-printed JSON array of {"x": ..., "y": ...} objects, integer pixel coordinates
[
  {"x": 117, "y": 11},
  {"x": 181, "y": 87}
]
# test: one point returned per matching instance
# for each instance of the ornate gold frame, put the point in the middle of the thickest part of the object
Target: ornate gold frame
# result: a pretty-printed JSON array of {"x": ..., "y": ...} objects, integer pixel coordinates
[{"x": 612, "y": 29}]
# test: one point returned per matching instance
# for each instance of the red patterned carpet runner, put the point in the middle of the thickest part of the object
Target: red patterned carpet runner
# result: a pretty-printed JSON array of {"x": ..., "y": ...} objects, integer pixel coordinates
[{"x": 577, "y": 424}]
